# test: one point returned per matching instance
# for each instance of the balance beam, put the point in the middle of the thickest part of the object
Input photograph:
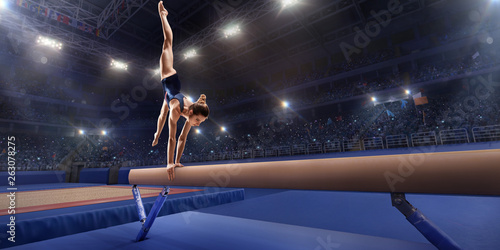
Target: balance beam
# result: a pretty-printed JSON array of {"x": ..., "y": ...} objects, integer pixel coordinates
[{"x": 462, "y": 172}]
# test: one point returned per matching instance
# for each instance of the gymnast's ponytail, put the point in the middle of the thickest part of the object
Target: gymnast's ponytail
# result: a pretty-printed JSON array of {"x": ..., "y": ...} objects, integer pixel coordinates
[
  {"x": 202, "y": 99},
  {"x": 200, "y": 107}
]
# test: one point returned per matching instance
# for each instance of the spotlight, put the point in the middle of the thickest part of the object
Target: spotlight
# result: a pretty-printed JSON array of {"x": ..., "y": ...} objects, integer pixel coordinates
[
  {"x": 285, "y": 104},
  {"x": 3, "y": 4},
  {"x": 198, "y": 131},
  {"x": 232, "y": 31},
  {"x": 104, "y": 132},
  {"x": 408, "y": 92},
  {"x": 45, "y": 41},
  {"x": 489, "y": 40},
  {"x": 119, "y": 65},
  {"x": 189, "y": 54},
  {"x": 288, "y": 3},
  {"x": 223, "y": 128},
  {"x": 374, "y": 99},
  {"x": 81, "y": 132},
  {"x": 190, "y": 99}
]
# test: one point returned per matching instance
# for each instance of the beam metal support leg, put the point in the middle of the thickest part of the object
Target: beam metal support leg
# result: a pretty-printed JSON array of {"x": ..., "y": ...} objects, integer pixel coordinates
[
  {"x": 138, "y": 204},
  {"x": 428, "y": 229},
  {"x": 155, "y": 210}
]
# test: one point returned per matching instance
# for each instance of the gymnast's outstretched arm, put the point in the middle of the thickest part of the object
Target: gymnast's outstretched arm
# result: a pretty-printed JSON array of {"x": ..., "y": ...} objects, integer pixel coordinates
[
  {"x": 161, "y": 122},
  {"x": 182, "y": 142},
  {"x": 172, "y": 127}
]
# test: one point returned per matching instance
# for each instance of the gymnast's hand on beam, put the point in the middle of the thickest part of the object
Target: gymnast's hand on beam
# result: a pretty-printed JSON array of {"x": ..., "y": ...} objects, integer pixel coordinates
[{"x": 171, "y": 171}]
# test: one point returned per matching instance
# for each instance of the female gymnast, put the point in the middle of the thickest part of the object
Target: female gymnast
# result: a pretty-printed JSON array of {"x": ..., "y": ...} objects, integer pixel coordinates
[{"x": 177, "y": 103}]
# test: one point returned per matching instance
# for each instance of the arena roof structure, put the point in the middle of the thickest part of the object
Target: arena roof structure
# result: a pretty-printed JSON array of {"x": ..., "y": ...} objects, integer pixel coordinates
[{"x": 270, "y": 34}]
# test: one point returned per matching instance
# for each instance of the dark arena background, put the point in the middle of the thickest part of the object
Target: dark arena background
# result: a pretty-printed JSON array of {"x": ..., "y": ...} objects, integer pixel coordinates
[{"x": 412, "y": 83}]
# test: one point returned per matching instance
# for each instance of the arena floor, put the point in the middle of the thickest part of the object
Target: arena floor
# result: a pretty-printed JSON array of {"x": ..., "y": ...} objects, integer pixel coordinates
[{"x": 263, "y": 219}]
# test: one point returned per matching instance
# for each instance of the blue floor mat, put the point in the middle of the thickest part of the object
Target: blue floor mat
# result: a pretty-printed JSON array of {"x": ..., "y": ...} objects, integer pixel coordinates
[
  {"x": 466, "y": 219},
  {"x": 193, "y": 230}
]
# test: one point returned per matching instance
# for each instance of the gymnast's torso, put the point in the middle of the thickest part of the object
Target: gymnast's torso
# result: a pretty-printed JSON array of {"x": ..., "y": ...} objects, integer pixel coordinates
[{"x": 172, "y": 90}]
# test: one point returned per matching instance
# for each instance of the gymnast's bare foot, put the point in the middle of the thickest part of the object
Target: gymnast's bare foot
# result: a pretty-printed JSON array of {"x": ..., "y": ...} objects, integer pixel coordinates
[
  {"x": 161, "y": 9},
  {"x": 155, "y": 141}
]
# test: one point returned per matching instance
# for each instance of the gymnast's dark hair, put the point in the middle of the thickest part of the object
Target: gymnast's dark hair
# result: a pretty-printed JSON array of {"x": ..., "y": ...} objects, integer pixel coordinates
[{"x": 200, "y": 107}]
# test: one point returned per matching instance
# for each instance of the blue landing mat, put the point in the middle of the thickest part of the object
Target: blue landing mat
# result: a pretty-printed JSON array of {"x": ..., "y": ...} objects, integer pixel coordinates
[
  {"x": 43, "y": 225},
  {"x": 469, "y": 220},
  {"x": 194, "y": 230}
]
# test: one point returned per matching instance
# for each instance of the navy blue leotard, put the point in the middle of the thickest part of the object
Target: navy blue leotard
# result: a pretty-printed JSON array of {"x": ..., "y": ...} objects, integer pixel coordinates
[{"x": 172, "y": 90}]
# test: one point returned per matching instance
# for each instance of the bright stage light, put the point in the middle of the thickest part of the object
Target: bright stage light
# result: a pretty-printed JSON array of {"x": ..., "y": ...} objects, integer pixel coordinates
[
  {"x": 198, "y": 131},
  {"x": 374, "y": 99},
  {"x": 81, "y": 132},
  {"x": 222, "y": 128},
  {"x": 489, "y": 40},
  {"x": 288, "y": 3},
  {"x": 119, "y": 65},
  {"x": 45, "y": 41},
  {"x": 408, "y": 92},
  {"x": 3, "y": 4},
  {"x": 189, "y": 98},
  {"x": 104, "y": 132},
  {"x": 189, "y": 54},
  {"x": 232, "y": 31},
  {"x": 285, "y": 104}
]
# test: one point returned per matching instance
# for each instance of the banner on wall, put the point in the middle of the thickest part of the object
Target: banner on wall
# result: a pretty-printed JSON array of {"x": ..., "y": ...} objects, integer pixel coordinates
[
  {"x": 421, "y": 101},
  {"x": 59, "y": 17}
]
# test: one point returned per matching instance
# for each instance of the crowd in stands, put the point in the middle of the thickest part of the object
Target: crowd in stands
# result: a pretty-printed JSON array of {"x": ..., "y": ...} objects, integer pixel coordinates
[
  {"x": 437, "y": 70},
  {"x": 35, "y": 152},
  {"x": 443, "y": 112},
  {"x": 97, "y": 151},
  {"x": 27, "y": 113},
  {"x": 450, "y": 107}
]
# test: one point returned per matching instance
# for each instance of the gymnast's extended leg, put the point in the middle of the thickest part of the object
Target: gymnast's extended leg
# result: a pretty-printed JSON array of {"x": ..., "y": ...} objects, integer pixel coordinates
[
  {"x": 166, "y": 66},
  {"x": 167, "y": 55}
]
